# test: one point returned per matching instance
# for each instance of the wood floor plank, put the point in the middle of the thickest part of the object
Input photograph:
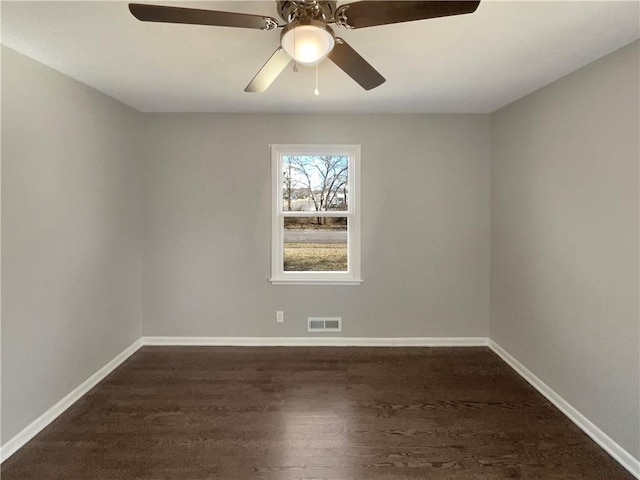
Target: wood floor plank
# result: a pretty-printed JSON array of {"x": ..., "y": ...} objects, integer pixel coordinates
[{"x": 285, "y": 413}]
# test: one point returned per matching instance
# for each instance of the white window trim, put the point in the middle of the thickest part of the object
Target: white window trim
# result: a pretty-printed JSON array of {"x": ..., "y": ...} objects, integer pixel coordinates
[{"x": 352, "y": 275}]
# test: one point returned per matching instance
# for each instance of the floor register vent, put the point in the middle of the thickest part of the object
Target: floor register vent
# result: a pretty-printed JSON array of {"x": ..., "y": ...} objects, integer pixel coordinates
[{"x": 324, "y": 324}]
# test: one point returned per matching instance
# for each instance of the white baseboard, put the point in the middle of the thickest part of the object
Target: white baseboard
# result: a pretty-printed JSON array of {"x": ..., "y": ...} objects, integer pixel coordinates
[
  {"x": 623, "y": 457},
  {"x": 319, "y": 341},
  {"x": 31, "y": 430}
]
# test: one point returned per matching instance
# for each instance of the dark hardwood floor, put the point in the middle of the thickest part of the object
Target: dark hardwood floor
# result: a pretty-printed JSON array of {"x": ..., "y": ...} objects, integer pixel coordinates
[{"x": 312, "y": 413}]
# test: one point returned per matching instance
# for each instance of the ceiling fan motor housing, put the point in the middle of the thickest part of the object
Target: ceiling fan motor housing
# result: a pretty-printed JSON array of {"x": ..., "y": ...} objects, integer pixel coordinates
[{"x": 292, "y": 10}]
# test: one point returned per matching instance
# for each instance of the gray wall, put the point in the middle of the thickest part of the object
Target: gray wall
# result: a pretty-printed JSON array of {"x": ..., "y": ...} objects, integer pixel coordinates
[
  {"x": 71, "y": 262},
  {"x": 565, "y": 238},
  {"x": 425, "y": 226}
]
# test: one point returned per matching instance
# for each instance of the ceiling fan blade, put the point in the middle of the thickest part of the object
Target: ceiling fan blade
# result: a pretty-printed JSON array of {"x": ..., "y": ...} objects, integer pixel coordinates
[
  {"x": 371, "y": 13},
  {"x": 160, "y": 13},
  {"x": 355, "y": 66},
  {"x": 269, "y": 71}
]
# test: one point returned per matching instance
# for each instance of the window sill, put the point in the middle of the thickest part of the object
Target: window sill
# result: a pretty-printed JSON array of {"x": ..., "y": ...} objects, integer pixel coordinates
[{"x": 298, "y": 281}]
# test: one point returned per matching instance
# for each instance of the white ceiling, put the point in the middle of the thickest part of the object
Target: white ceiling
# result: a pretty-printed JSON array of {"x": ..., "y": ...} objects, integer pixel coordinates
[{"x": 472, "y": 63}]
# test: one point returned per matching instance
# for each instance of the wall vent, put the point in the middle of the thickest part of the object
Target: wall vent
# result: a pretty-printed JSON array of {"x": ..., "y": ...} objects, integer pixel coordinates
[{"x": 324, "y": 324}]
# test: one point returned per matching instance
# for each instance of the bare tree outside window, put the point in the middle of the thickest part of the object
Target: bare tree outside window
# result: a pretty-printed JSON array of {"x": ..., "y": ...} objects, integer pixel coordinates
[
  {"x": 315, "y": 184},
  {"x": 320, "y": 182}
]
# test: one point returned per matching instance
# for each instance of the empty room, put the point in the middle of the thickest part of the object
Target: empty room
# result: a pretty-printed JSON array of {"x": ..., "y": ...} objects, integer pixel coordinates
[{"x": 305, "y": 240}]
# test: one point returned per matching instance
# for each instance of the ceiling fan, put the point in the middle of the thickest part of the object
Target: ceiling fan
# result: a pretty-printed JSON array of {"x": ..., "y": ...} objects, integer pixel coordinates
[{"x": 306, "y": 36}]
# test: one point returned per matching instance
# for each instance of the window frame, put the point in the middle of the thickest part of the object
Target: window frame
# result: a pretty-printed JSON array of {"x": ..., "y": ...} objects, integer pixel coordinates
[{"x": 278, "y": 275}]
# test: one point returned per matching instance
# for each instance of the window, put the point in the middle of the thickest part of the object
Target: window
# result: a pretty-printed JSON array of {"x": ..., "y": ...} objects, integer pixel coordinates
[{"x": 315, "y": 215}]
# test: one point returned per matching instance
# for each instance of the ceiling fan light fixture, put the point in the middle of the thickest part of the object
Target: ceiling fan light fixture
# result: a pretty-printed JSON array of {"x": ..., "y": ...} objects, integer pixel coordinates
[
  {"x": 306, "y": 36},
  {"x": 307, "y": 42}
]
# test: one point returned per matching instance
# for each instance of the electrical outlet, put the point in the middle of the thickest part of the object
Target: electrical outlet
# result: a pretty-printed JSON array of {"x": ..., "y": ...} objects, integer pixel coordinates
[{"x": 279, "y": 316}]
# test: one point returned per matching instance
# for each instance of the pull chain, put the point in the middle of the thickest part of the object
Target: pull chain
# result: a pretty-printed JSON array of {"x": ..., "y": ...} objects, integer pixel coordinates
[{"x": 316, "y": 92}]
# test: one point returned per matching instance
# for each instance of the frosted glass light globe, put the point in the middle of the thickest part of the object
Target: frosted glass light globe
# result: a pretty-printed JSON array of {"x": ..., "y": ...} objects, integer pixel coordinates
[{"x": 307, "y": 44}]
